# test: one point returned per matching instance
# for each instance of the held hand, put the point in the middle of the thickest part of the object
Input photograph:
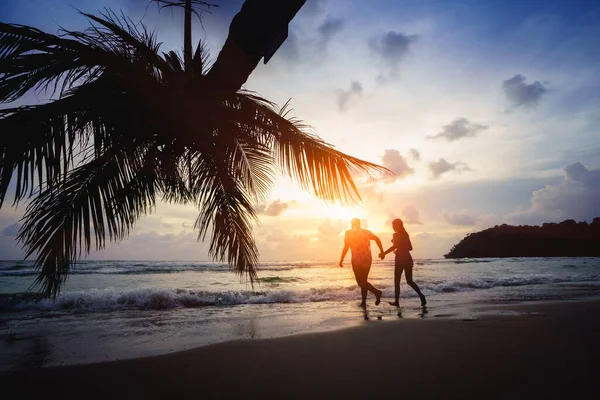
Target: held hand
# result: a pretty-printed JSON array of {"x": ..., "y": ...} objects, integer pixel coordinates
[
  {"x": 341, "y": 264},
  {"x": 382, "y": 255}
]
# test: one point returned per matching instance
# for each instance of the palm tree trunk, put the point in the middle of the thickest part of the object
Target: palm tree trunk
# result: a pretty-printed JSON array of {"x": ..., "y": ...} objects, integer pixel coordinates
[
  {"x": 256, "y": 31},
  {"x": 187, "y": 39}
]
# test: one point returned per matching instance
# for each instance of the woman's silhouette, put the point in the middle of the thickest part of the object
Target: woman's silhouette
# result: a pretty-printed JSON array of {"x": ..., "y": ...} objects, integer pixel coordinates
[{"x": 403, "y": 262}]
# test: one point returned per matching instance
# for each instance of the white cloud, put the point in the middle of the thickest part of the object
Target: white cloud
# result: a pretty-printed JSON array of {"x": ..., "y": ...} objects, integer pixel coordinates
[
  {"x": 575, "y": 197},
  {"x": 183, "y": 245},
  {"x": 274, "y": 209},
  {"x": 411, "y": 215},
  {"x": 460, "y": 127},
  {"x": 331, "y": 229},
  {"x": 437, "y": 168},
  {"x": 462, "y": 218},
  {"x": 395, "y": 162},
  {"x": 424, "y": 236}
]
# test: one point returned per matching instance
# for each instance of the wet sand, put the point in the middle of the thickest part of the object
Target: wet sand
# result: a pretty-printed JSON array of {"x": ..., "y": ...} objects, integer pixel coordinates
[{"x": 522, "y": 351}]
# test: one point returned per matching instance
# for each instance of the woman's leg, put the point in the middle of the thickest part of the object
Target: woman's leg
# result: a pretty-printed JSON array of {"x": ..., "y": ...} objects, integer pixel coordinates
[
  {"x": 413, "y": 285},
  {"x": 397, "y": 275}
]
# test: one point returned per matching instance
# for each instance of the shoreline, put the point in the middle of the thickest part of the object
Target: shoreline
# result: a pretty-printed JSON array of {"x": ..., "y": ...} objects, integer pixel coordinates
[
  {"x": 542, "y": 350},
  {"x": 99, "y": 344}
]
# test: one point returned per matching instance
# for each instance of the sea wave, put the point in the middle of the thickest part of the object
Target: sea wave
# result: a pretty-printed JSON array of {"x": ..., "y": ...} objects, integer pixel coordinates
[
  {"x": 95, "y": 300},
  {"x": 140, "y": 268},
  {"x": 459, "y": 284},
  {"x": 87, "y": 267}
]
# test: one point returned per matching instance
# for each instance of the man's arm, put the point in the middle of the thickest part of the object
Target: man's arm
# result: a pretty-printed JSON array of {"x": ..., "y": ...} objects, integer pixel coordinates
[
  {"x": 376, "y": 239},
  {"x": 344, "y": 251}
]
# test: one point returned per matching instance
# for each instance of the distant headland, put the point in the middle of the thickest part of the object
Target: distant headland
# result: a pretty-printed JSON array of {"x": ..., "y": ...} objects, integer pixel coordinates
[{"x": 565, "y": 239}]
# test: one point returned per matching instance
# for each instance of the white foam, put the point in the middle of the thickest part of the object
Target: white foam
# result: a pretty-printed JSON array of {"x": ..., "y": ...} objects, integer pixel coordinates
[{"x": 157, "y": 298}]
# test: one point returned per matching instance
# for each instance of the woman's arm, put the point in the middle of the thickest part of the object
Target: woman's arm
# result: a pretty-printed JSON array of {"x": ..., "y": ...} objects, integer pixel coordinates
[{"x": 383, "y": 253}]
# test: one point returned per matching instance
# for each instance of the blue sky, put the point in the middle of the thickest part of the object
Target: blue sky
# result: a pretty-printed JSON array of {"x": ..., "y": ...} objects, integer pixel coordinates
[{"x": 488, "y": 111}]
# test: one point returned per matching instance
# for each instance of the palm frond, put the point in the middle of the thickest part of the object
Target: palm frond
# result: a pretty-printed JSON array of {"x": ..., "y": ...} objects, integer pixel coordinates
[
  {"x": 32, "y": 59},
  {"x": 102, "y": 198},
  {"x": 303, "y": 156},
  {"x": 120, "y": 36},
  {"x": 38, "y": 142},
  {"x": 174, "y": 61},
  {"x": 200, "y": 62},
  {"x": 226, "y": 210},
  {"x": 144, "y": 127},
  {"x": 181, "y": 4}
]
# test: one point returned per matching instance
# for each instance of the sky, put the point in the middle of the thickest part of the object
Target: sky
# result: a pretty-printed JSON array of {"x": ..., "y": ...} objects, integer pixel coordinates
[{"x": 488, "y": 112}]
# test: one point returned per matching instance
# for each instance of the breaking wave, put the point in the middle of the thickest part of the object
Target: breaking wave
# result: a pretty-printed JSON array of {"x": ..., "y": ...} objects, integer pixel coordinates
[{"x": 99, "y": 300}]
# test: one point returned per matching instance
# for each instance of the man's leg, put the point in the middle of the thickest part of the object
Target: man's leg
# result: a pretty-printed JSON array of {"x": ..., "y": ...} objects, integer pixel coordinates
[
  {"x": 361, "y": 280},
  {"x": 370, "y": 287}
]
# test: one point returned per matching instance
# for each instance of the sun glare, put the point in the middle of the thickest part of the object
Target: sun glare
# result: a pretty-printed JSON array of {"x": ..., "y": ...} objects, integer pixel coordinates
[{"x": 344, "y": 213}]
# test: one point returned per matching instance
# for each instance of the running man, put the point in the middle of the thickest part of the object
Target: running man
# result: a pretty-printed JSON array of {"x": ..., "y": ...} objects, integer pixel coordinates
[{"x": 359, "y": 241}]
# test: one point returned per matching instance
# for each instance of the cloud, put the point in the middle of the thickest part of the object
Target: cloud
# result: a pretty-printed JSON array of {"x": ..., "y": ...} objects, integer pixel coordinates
[
  {"x": 328, "y": 30},
  {"x": 187, "y": 225},
  {"x": 156, "y": 246},
  {"x": 331, "y": 229},
  {"x": 518, "y": 93},
  {"x": 460, "y": 127},
  {"x": 314, "y": 8},
  {"x": 274, "y": 209},
  {"x": 424, "y": 236},
  {"x": 290, "y": 49},
  {"x": 11, "y": 230},
  {"x": 575, "y": 197},
  {"x": 395, "y": 162},
  {"x": 391, "y": 48},
  {"x": 437, "y": 168},
  {"x": 344, "y": 96},
  {"x": 411, "y": 215},
  {"x": 369, "y": 191},
  {"x": 461, "y": 218},
  {"x": 414, "y": 154}
]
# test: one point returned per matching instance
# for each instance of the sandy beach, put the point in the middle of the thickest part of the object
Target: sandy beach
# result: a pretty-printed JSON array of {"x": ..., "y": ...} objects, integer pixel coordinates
[{"x": 542, "y": 350}]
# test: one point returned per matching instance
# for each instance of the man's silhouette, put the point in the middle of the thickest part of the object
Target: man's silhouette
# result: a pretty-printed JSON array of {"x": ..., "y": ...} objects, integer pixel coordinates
[{"x": 359, "y": 241}]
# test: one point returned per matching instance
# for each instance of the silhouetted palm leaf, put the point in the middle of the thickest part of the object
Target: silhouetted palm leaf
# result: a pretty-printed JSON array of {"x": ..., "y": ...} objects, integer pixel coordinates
[{"x": 126, "y": 127}]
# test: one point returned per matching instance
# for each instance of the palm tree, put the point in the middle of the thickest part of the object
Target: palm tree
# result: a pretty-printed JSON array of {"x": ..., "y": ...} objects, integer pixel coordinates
[{"x": 128, "y": 125}]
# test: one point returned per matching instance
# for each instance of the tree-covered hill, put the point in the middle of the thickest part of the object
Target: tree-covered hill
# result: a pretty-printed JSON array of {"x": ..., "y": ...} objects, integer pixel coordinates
[{"x": 565, "y": 239}]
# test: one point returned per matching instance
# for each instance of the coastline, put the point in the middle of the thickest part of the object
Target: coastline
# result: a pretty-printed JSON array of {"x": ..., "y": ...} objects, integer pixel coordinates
[{"x": 518, "y": 350}]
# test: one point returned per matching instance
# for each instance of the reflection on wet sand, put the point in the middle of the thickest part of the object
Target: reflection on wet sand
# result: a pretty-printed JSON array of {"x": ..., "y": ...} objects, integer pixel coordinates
[{"x": 25, "y": 352}]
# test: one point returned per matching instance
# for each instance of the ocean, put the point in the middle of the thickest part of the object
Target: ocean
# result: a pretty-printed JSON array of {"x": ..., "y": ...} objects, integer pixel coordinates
[{"x": 110, "y": 310}]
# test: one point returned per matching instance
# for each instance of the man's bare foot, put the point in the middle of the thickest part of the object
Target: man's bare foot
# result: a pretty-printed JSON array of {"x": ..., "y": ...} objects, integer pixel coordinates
[
  {"x": 363, "y": 304},
  {"x": 394, "y": 303},
  {"x": 378, "y": 297}
]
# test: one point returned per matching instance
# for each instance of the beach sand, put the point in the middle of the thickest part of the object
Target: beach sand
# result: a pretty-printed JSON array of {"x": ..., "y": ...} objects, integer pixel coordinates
[{"x": 544, "y": 350}]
